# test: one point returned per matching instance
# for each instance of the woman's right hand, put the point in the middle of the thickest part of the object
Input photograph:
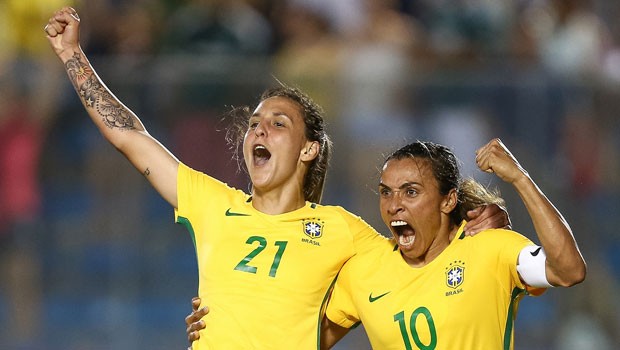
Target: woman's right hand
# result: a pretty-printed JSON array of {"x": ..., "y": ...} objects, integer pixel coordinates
[
  {"x": 62, "y": 31},
  {"x": 194, "y": 321}
]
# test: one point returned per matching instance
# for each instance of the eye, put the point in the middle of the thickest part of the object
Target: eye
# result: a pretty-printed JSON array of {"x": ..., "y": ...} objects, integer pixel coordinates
[
  {"x": 252, "y": 124},
  {"x": 411, "y": 192},
  {"x": 278, "y": 124},
  {"x": 385, "y": 192}
]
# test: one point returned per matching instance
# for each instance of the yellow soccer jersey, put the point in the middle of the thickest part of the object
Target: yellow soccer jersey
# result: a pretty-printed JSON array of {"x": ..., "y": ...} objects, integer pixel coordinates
[
  {"x": 464, "y": 299},
  {"x": 265, "y": 278}
]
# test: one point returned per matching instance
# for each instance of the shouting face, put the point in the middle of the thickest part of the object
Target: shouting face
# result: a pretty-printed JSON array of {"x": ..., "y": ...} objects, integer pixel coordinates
[
  {"x": 414, "y": 210},
  {"x": 275, "y": 146}
]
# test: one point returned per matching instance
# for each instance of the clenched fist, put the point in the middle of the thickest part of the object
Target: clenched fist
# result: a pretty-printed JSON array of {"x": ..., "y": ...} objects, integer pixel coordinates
[{"x": 62, "y": 31}]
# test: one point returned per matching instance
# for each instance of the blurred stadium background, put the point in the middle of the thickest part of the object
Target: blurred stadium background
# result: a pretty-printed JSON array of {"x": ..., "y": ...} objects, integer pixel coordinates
[{"x": 89, "y": 255}]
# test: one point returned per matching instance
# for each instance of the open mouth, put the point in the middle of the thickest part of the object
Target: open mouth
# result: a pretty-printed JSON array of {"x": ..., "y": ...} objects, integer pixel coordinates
[
  {"x": 261, "y": 155},
  {"x": 403, "y": 232}
]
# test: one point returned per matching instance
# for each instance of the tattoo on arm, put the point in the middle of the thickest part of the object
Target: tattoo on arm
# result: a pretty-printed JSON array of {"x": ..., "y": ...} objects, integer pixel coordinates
[
  {"x": 95, "y": 95},
  {"x": 147, "y": 172}
]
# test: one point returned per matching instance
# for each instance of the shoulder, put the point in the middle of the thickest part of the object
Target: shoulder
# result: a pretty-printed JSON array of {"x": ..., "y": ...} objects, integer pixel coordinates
[
  {"x": 335, "y": 212},
  {"x": 363, "y": 235},
  {"x": 500, "y": 242},
  {"x": 371, "y": 260},
  {"x": 195, "y": 179},
  {"x": 496, "y": 236}
]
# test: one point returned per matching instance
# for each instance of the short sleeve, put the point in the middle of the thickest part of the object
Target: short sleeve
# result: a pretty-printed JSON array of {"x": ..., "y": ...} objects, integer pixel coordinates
[
  {"x": 365, "y": 237},
  {"x": 340, "y": 308}
]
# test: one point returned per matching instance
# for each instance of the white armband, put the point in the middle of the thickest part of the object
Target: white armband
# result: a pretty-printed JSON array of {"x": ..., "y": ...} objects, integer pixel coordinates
[{"x": 531, "y": 266}]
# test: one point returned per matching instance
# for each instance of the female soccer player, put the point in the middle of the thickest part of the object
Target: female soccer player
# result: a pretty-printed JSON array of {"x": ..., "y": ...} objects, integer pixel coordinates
[
  {"x": 437, "y": 288},
  {"x": 266, "y": 260}
]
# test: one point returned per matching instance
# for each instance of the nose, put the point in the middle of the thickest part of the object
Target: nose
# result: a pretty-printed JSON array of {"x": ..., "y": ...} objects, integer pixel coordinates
[
  {"x": 260, "y": 130},
  {"x": 394, "y": 204}
]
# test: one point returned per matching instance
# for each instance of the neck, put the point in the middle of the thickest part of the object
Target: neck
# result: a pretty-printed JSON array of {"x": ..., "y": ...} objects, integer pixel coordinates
[
  {"x": 277, "y": 202},
  {"x": 446, "y": 234}
]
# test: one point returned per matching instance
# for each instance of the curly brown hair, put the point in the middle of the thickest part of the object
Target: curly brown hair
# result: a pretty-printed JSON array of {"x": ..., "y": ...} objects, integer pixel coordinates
[{"x": 312, "y": 115}]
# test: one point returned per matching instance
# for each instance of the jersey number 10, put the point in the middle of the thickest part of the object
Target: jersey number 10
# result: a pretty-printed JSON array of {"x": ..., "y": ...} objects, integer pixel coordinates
[{"x": 400, "y": 318}]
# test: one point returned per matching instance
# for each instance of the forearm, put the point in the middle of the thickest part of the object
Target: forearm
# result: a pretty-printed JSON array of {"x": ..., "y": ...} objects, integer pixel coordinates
[
  {"x": 565, "y": 265},
  {"x": 112, "y": 118},
  {"x": 121, "y": 127}
]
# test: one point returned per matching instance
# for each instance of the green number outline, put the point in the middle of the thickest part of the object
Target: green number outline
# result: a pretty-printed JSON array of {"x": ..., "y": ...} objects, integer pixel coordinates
[
  {"x": 262, "y": 244},
  {"x": 400, "y": 318}
]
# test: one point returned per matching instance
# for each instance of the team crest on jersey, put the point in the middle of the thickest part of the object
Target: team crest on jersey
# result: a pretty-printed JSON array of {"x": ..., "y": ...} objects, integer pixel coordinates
[
  {"x": 313, "y": 228},
  {"x": 455, "y": 274}
]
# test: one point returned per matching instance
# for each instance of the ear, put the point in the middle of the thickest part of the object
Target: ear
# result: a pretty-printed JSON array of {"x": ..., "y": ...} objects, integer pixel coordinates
[
  {"x": 449, "y": 202},
  {"x": 310, "y": 151}
]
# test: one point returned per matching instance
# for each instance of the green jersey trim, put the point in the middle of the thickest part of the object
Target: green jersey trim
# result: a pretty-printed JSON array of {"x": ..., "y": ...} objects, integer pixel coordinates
[
  {"x": 511, "y": 316},
  {"x": 322, "y": 313},
  {"x": 188, "y": 225}
]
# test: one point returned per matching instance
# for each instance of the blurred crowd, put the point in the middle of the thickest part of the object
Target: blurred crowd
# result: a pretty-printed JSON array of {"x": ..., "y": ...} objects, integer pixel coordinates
[{"x": 89, "y": 258}]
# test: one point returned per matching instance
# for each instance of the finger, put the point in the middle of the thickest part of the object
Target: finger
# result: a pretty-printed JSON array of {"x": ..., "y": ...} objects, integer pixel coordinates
[
  {"x": 191, "y": 318},
  {"x": 65, "y": 17},
  {"x": 196, "y": 326},
  {"x": 482, "y": 161},
  {"x": 54, "y": 27},
  {"x": 474, "y": 213},
  {"x": 70, "y": 10},
  {"x": 489, "y": 216},
  {"x": 196, "y": 315},
  {"x": 476, "y": 228},
  {"x": 497, "y": 220},
  {"x": 481, "y": 155},
  {"x": 201, "y": 313},
  {"x": 195, "y": 303},
  {"x": 50, "y": 30},
  {"x": 473, "y": 223},
  {"x": 193, "y": 336}
]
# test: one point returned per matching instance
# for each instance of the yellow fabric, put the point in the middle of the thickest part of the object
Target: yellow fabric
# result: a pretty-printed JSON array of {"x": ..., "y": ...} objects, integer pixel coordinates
[
  {"x": 449, "y": 311},
  {"x": 264, "y": 277},
  {"x": 22, "y": 24}
]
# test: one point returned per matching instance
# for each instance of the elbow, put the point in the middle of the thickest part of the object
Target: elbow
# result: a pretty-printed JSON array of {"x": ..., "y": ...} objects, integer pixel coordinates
[{"x": 573, "y": 276}]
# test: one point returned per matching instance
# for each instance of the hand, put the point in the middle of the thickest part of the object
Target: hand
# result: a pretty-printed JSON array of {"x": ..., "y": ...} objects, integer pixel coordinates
[
  {"x": 194, "y": 321},
  {"x": 62, "y": 31},
  {"x": 486, "y": 217},
  {"x": 494, "y": 157}
]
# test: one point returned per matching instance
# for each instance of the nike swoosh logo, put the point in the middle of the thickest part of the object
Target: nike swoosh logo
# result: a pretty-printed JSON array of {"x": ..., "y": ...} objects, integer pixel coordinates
[
  {"x": 231, "y": 213},
  {"x": 534, "y": 253},
  {"x": 373, "y": 299}
]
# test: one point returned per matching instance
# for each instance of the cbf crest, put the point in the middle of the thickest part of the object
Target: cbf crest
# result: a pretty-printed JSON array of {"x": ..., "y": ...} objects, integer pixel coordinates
[
  {"x": 313, "y": 228},
  {"x": 455, "y": 274}
]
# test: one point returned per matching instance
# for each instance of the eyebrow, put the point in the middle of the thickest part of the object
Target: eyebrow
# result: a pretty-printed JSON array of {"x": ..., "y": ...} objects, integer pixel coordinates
[
  {"x": 277, "y": 114},
  {"x": 404, "y": 185}
]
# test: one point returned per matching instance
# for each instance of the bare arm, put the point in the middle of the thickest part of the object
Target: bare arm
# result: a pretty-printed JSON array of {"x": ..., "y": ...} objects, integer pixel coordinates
[
  {"x": 565, "y": 265},
  {"x": 331, "y": 333},
  {"x": 119, "y": 125}
]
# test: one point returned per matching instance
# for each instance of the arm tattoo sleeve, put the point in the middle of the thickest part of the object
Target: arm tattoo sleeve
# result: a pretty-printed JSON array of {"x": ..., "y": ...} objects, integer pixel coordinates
[{"x": 95, "y": 95}]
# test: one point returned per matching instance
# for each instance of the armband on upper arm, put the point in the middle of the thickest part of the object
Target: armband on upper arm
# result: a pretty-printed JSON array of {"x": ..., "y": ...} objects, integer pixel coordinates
[{"x": 531, "y": 266}]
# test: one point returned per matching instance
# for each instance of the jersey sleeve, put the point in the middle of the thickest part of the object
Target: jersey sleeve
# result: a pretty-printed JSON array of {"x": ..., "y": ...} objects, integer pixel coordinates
[
  {"x": 198, "y": 193},
  {"x": 509, "y": 246},
  {"x": 365, "y": 237},
  {"x": 340, "y": 308}
]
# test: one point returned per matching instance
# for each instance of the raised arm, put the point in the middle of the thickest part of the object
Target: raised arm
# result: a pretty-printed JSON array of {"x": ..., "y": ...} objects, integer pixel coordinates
[
  {"x": 565, "y": 265},
  {"x": 120, "y": 126}
]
